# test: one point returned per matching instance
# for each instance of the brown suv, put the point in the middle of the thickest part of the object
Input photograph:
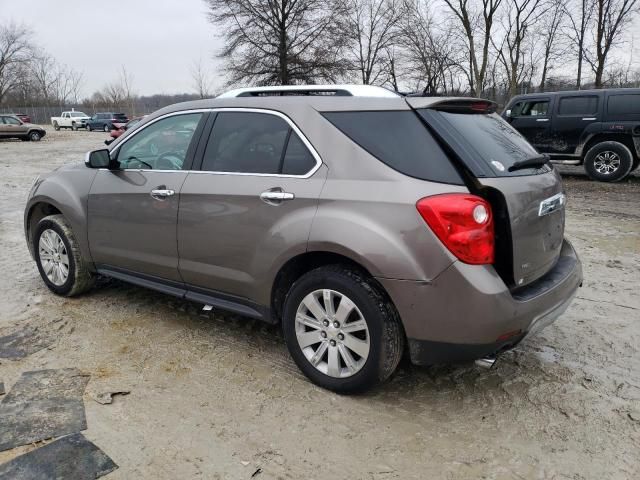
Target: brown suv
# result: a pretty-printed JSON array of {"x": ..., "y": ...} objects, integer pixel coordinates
[{"x": 364, "y": 222}]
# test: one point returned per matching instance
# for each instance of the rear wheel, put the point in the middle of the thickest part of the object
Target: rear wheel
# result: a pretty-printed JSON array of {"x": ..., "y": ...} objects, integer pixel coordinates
[
  {"x": 74, "y": 127},
  {"x": 35, "y": 136},
  {"x": 341, "y": 330},
  {"x": 106, "y": 128},
  {"x": 56, "y": 126},
  {"x": 608, "y": 161},
  {"x": 58, "y": 257}
]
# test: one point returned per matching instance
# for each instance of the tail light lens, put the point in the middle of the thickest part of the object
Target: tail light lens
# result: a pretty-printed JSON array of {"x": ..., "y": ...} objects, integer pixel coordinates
[{"x": 464, "y": 223}]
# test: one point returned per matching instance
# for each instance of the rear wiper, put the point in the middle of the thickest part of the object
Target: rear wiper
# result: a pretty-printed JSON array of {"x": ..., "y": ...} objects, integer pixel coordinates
[{"x": 537, "y": 161}]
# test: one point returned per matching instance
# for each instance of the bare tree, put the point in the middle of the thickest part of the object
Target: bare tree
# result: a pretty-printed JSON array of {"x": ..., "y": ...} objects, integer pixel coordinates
[
  {"x": 126, "y": 84},
  {"x": 612, "y": 18},
  {"x": 429, "y": 51},
  {"x": 476, "y": 17},
  {"x": 519, "y": 20},
  {"x": 200, "y": 79},
  {"x": 284, "y": 42},
  {"x": 552, "y": 22},
  {"x": 371, "y": 30},
  {"x": 581, "y": 18},
  {"x": 15, "y": 52}
]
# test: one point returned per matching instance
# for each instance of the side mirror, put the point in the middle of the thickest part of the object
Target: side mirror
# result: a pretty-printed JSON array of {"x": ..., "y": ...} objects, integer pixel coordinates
[
  {"x": 508, "y": 113},
  {"x": 98, "y": 159}
]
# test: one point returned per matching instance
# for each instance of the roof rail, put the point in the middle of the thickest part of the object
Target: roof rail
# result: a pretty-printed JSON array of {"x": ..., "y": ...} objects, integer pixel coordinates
[{"x": 312, "y": 90}]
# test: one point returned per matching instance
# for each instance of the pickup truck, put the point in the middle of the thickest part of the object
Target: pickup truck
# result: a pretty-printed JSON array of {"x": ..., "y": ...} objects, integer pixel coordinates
[
  {"x": 599, "y": 129},
  {"x": 73, "y": 120}
]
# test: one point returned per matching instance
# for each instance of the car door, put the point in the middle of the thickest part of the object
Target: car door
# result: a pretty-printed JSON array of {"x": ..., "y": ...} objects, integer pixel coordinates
[
  {"x": 573, "y": 114},
  {"x": 532, "y": 118},
  {"x": 14, "y": 127},
  {"x": 133, "y": 210},
  {"x": 3, "y": 127},
  {"x": 251, "y": 204}
]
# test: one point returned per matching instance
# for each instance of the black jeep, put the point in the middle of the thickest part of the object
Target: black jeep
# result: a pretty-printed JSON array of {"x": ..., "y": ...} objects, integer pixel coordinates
[{"x": 597, "y": 128}]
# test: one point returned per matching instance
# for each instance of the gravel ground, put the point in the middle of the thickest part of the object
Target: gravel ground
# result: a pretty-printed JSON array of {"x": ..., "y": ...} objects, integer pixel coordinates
[{"x": 217, "y": 396}]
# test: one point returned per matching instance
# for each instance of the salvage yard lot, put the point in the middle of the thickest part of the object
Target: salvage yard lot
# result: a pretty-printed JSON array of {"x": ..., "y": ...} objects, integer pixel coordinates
[{"x": 216, "y": 395}]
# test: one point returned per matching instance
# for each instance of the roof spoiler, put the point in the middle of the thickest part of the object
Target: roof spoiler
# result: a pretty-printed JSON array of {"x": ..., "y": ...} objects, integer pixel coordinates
[{"x": 471, "y": 105}]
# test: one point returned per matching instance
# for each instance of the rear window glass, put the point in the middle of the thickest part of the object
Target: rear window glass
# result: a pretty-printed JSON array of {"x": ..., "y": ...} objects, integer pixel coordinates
[
  {"x": 493, "y": 141},
  {"x": 400, "y": 140},
  {"x": 624, "y": 105},
  {"x": 578, "y": 105}
]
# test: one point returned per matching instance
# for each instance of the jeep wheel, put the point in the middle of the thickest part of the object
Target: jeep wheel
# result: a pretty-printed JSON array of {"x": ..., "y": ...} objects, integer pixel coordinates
[
  {"x": 608, "y": 162},
  {"x": 56, "y": 127},
  {"x": 58, "y": 257},
  {"x": 341, "y": 330},
  {"x": 35, "y": 136}
]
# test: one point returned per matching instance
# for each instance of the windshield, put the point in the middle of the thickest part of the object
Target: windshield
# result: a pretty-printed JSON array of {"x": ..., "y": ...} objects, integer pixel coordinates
[
  {"x": 78, "y": 114},
  {"x": 494, "y": 141}
]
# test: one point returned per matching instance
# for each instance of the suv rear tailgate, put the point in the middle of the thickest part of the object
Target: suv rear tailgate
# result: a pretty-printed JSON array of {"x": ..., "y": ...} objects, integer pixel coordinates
[{"x": 530, "y": 199}]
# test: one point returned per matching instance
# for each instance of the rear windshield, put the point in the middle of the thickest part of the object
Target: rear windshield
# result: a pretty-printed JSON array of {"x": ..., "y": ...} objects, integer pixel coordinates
[
  {"x": 400, "y": 140},
  {"x": 119, "y": 115},
  {"x": 491, "y": 141}
]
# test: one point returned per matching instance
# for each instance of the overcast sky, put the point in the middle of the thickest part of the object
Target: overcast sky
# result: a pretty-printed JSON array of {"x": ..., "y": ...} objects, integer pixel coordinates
[{"x": 156, "y": 40}]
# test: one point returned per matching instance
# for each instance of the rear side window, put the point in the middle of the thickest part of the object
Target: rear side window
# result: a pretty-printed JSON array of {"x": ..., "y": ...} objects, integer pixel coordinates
[
  {"x": 260, "y": 143},
  {"x": 624, "y": 106},
  {"x": 587, "y": 105},
  {"x": 400, "y": 140}
]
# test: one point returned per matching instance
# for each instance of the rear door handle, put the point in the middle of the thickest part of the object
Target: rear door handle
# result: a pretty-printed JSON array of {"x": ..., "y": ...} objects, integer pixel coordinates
[
  {"x": 542, "y": 120},
  {"x": 162, "y": 193},
  {"x": 274, "y": 197}
]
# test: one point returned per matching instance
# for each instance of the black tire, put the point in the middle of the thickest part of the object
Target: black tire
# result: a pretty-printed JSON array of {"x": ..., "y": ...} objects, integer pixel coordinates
[
  {"x": 56, "y": 127},
  {"x": 386, "y": 335},
  {"x": 89, "y": 129},
  {"x": 35, "y": 136},
  {"x": 595, "y": 161},
  {"x": 106, "y": 128},
  {"x": 74, "y": 127},
  {"x": 79, "y": 278},
  {"x": 636, "y": 162}
]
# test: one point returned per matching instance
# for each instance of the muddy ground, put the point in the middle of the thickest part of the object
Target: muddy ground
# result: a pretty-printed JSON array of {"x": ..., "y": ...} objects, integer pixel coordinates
[{"x": 217, "y": 396}]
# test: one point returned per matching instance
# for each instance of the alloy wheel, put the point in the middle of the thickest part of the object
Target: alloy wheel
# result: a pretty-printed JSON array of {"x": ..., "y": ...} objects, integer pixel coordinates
[
  {"x": 332, "y": 333},
  {"x": 54, "y": 258},
  {"x": 607, "y": 162}
]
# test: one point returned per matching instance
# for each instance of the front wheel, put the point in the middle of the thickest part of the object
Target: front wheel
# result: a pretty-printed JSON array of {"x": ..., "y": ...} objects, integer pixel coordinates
[
  {"x": 106, "y": 128},
  {"x": 608, "y": 161},
  {"x": 56, "y": 127},
  {"x": 74, "y": 127},
  {"x": 58, "y": 257},
  {"x": 341, "y": 330},
  {"x": 35, "y": 136},
  {"x": 89, "y": 129}
]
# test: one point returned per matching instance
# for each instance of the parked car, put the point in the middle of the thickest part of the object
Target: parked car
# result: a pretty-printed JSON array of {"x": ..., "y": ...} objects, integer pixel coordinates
[
  {"x": 73, "y": 120},
  {"x": 24, "y": 118},
  {"x": 120, "y": 128},
  {"x": 599, "y": 129},
  {"x": 12, "y": 127},
  {"x": 106, "y": 121},
  {"x": 363, "y": 221}
]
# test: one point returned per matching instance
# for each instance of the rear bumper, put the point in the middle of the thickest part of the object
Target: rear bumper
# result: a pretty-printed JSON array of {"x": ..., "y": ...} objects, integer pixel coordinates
[{"x": 467, "y": 312}]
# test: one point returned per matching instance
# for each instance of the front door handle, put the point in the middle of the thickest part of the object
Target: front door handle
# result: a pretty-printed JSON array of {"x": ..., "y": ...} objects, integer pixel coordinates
[
  {"x": 275, "y": 196},
  {"x": 162, "y": 193},
  {"x": 589, "y": 119},
  {"x": 542, "y": 120}
]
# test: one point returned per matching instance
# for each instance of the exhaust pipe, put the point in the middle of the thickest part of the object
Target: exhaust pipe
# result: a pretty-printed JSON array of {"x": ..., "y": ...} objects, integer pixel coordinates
[{"x": 486, "y": 362}]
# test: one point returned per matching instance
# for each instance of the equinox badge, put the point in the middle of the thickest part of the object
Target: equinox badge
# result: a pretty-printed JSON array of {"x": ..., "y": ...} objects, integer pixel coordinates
[{"x": 551, "y": 204}]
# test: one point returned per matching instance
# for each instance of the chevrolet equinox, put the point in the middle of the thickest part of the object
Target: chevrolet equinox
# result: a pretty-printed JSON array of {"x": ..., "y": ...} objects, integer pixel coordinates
[{"x": 366, "y": 223}]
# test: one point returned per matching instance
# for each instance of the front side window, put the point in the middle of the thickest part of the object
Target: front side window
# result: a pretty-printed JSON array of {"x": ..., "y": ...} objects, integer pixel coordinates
[
  {"x": 11, "y": 121},
  {"x": 258, "y": 143},
  {"x": 162, "y": 145},
  {"x": 536, "y": 108},
  {"x": 587, "y": 105}
]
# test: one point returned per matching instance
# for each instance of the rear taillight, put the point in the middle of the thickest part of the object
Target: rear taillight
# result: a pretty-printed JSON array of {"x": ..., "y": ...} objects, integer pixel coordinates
[{"x": 464, "y": 223}]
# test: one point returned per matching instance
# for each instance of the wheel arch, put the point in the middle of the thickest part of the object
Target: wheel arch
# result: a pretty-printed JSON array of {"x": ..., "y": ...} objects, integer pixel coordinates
[
  {"x": 597, "y": 138},
  {"x": 297, "y": 266}
]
